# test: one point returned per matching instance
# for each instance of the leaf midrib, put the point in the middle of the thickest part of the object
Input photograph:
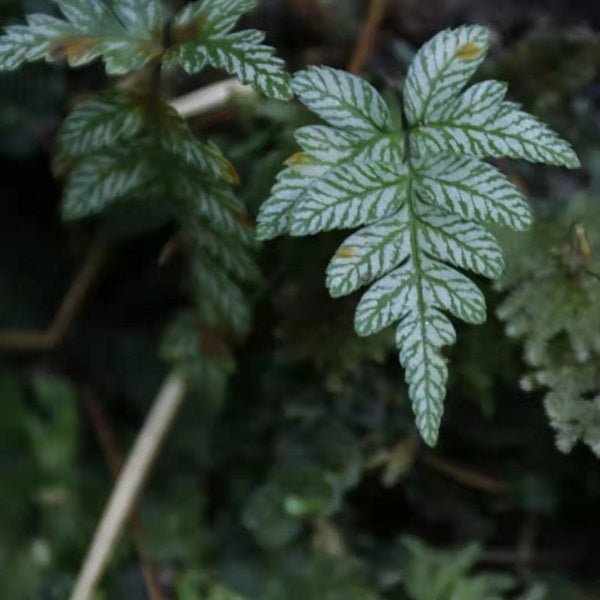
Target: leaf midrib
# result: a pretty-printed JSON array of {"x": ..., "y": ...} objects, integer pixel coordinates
[{"x": 415, "y": 251}]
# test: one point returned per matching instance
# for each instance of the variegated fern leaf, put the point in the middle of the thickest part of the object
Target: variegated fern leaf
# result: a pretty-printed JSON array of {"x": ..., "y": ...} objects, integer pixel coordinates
[
  {"x": 421, "y": 192},
  {"x": 129, "y": 34}
]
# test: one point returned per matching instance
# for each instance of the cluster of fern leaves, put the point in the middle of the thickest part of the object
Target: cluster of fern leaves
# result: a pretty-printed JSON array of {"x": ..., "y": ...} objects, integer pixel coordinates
[{"x": 133, "y": 159}]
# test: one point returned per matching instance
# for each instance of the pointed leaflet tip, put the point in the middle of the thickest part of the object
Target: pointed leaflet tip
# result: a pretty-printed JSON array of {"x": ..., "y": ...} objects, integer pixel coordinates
[
  {"x": 420, "y": 336},
  {"x": 440, "y": 69}
]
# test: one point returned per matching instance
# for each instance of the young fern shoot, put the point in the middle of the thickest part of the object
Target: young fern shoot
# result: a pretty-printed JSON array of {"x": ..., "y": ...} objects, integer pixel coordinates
[{"x": 422, "y": 193}]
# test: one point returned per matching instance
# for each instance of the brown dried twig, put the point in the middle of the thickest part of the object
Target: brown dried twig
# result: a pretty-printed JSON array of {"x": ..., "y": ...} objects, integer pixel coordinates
[
  {"x": 367, "y": 36},
  {"x": 69, "y": 309},
  {"x": 463, "y": 475}
]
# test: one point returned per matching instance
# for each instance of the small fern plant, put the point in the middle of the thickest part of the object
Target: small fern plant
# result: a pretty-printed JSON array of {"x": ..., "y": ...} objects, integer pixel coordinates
[
  {"x": 133, "y": 159},
  {"x": 552, "y": 291},
  {"x": 419, "y": 187}
]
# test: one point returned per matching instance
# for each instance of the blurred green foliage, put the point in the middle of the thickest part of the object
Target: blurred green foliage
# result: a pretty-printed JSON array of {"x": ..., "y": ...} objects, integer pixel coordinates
[{"x": 302, "y": 478}]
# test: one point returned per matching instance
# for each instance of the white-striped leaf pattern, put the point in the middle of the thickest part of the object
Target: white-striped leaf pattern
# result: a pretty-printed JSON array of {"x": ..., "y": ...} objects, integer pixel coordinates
[
  {"x": 241, "y": 54},
  {"x": 387, "y": 149},
  {"x": 441, "y": 69},
  {"x": 472, "y": 189},
  {"x": 477, "y": 105},
  {"x": 214, "y": 16},
  {"x": 103, "y": 178},
  {"x": 177, "y": 138},
  {"x": 369, "y": 253},
  {"x": 85, "y": 13},
  {"x": 327, "y": 144},
  {"x": 446, "y": 288},
  {"x": 387, "y": 300},
  {"x": 324, "y": 148},
  {"x": 100, "y": 122},
  {"x": 419, "y": 282},
  {"x": 505, "y": 131},
  {"x": 465, "y": 244},
  {"x": 91, "y": 28},
  {"x": 274, "y": 215},
  {"x": 350, "y": 195},
  {"x": 420, "y": 336},
  {"x": 20, "y": 44},
  {"x": 343, "y": 100}
]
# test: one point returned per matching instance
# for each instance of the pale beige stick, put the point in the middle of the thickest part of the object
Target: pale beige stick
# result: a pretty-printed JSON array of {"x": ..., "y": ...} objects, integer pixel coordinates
[
  {"x": 130, "y": 481},
  {"x": 149, "y": 440},
  {"x": 209, "y": 98},
  {"x": 114, "y": 460}
]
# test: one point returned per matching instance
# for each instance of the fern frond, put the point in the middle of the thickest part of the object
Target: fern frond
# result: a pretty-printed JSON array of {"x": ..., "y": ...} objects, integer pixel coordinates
[
  {"x": 129, "y": 34},
  {"x": 128, "y": 151},
  {"x": 103, "y": 178},
  {"x": 127, "y": 37},
  {"x": 422, "y": 192},
  {"x": 202, "y": 34},
  {"x": 104, "y": 120}
]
